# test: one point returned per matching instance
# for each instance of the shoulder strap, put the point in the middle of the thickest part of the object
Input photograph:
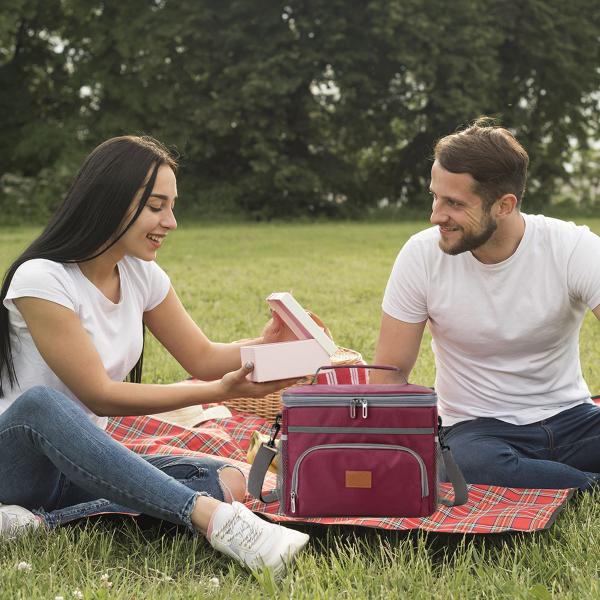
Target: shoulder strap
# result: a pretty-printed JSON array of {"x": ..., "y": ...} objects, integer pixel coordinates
[
  {"x": 264, "y": 457},
  {"x": 455, "y": 476}
]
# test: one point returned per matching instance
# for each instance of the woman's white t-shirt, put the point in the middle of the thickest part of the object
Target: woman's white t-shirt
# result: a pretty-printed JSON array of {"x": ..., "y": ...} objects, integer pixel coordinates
[{"x": 115, "y": 329}]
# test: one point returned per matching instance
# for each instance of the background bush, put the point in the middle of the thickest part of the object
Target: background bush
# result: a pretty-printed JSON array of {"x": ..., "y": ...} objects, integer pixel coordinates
[{"x": 300, "y": 108}]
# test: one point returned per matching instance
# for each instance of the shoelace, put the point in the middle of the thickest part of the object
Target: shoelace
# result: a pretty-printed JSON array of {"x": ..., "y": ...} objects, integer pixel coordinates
[{"x": 244, "y": 533}]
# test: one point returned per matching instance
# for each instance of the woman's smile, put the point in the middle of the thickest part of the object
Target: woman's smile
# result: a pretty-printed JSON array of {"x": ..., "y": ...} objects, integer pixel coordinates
[{"x": 156, "y": 239}]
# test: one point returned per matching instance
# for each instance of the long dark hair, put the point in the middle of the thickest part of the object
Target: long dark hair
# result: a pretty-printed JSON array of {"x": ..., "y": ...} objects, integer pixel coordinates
[{"x": 86, "y": 224}]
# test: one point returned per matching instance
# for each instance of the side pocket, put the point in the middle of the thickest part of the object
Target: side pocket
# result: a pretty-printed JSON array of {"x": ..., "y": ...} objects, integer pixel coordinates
[{"x": 357, "y": 479}]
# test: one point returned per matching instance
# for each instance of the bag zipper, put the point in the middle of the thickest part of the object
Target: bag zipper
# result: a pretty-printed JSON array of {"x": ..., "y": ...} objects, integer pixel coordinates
[
  {"x": 386, "y": 400},
  {"x": 354, "y": 402},
  {"x": 366, "y": 430},
  {"x": 294, "y": 486}
]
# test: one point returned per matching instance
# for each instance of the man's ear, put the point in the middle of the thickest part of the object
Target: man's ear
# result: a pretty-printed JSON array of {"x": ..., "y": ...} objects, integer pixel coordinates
[{"x": 506, "y": 205}]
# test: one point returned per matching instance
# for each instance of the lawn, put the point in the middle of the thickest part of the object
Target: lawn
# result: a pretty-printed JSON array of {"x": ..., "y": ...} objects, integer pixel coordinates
[{"x": 222, "y": 274}]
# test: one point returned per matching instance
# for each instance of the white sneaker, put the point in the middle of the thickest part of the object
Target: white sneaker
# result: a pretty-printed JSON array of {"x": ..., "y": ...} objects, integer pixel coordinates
[
  {"x": 15, "y": 521},
  {"x": 256, "y": 543}
]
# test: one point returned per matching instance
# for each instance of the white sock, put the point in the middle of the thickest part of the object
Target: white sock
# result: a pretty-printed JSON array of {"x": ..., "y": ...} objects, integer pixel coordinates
[{"x": 223, "y": 512}]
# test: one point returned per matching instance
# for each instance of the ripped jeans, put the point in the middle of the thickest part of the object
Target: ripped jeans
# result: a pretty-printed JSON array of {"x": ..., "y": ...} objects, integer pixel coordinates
[{"x": 55, "y": 462}]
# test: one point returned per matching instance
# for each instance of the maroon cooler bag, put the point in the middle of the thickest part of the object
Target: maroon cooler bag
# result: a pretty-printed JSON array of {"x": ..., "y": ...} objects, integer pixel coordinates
[{"x": 357, "y": 450}]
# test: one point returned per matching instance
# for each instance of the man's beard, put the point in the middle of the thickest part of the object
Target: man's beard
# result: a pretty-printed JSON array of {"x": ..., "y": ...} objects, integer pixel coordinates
[{"x": 472, "y": 241}]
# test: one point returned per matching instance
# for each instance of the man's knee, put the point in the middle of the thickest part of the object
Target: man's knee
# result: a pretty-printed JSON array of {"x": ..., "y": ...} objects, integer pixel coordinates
[{"x": 485, "y": 461}]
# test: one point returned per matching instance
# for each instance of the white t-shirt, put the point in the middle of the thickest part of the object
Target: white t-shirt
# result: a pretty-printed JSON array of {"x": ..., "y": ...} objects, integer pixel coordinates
[
  {"x": 115, "y": 329},
  {"x": 505, "y": 335}
]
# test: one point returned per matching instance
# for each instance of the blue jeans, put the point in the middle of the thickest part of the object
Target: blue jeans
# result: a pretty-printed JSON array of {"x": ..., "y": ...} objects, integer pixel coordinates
[
  {"x": 560, "y": 452},
  {"x": 58, "y": 464}
]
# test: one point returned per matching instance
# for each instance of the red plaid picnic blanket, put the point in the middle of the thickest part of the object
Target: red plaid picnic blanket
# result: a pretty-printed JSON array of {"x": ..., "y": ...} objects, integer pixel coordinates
[{"x": 490, "y": 509}]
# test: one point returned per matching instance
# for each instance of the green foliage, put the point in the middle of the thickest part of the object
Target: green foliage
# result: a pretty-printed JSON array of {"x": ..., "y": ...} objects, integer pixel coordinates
[
  {"x": 40, "y": 100},
  {"x": 312, "y": 107},
  {"x": 34, "y": 199}
]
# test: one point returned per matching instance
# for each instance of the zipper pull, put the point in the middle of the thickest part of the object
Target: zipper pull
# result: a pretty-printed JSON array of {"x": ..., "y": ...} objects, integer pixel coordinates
[
  {"x": 353, "y": 403},
  {"x": 365, "y": 408},
  {"x": 293, "y": 501}
]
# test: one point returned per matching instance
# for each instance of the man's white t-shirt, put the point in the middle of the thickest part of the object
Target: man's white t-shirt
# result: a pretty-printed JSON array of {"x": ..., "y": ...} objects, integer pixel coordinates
[
  {"x": 505, "y": 335},
  {"x": 115, "y": 329}
]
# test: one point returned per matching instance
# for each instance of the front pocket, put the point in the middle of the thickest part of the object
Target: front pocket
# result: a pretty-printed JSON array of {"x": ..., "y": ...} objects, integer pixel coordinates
[{"x": 358, "y": 480}]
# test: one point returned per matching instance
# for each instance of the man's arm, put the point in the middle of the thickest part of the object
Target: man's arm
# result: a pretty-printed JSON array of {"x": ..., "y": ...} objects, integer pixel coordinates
[{"x": 398, "y": 345}]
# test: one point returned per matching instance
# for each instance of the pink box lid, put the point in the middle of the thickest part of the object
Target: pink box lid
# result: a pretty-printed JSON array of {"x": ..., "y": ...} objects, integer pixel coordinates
[{"x": 299, "y": 321}]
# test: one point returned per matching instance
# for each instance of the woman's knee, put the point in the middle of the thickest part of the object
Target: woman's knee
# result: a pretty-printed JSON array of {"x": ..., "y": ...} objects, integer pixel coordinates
[
  {"x": 233, "y": 483},
  {"x": 40, "y": 405},
  {"x": 38, "y": 400}
]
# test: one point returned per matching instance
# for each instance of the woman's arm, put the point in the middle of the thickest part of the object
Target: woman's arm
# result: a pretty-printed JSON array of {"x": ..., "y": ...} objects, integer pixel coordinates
[
  {"x": 70, "y": 353},
  {"x": 173, "y": 327}
]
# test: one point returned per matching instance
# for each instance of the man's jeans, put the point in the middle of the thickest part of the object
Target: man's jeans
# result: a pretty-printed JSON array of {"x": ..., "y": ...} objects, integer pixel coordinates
[
  {"x": 560, "y": 452},
  {"x": 57, "y": 463}
]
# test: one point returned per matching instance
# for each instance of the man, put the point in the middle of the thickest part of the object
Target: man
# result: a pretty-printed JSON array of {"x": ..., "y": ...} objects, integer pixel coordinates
[{"x": 504, "y": 294}]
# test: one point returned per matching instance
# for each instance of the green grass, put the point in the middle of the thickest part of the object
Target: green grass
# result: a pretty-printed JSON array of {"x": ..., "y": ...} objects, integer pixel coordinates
[{"x": 223, "y": 273}]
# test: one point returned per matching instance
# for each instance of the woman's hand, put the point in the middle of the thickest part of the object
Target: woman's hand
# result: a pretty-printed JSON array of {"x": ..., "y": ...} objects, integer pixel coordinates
[
  {"x": 237, "y": 385},
  {"x": 277, "y": 331}
]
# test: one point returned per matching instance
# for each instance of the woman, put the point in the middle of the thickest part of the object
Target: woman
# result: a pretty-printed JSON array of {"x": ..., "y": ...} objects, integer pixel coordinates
[{"x": 74, "y": 307}]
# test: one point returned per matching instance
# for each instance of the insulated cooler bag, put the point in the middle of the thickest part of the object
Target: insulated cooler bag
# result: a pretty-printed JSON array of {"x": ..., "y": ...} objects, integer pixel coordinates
[{"x": 357, "y": 450}]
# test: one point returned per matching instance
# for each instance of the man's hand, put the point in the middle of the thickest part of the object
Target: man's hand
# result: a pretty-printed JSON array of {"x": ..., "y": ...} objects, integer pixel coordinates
[{"x": 277, "y": 331}]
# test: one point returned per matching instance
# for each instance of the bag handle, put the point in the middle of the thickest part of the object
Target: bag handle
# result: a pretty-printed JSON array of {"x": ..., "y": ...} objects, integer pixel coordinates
[{"x": 333, "y": 367}]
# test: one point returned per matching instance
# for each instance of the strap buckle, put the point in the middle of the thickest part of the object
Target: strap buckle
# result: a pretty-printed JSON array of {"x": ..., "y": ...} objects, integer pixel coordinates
[
  {"x": 274, "y": 431},
  {"x": 441, "y": 435}
]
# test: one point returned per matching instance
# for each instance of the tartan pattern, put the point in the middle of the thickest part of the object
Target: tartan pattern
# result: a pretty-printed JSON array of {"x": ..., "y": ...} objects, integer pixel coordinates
[
  {"x": 490, "y": 509},
  {"x": 226, "y": 438},
  {"x": 342, "y": 376}
]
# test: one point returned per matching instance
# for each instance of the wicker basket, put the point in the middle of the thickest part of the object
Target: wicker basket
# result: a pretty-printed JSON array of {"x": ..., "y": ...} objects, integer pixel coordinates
[{"x": 268, "y": 406}]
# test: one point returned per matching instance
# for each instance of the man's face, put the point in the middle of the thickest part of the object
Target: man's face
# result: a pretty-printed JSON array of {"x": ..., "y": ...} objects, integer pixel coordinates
[{"x": 463, "y": 223}]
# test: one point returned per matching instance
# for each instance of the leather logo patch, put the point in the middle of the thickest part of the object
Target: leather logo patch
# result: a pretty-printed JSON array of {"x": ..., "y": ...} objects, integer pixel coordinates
[{"x": 358, "y": 479}]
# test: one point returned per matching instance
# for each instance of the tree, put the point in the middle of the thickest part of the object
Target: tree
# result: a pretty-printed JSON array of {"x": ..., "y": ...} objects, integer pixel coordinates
[{"x": 312, "y": 107}]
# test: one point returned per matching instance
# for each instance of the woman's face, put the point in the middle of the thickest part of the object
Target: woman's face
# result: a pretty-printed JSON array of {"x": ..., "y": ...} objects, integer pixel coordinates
[{"x": 148, "y": 232}]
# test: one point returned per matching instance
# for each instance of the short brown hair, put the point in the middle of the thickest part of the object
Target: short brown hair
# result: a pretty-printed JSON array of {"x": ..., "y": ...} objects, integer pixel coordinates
[{"x": 491, "y": 155}]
